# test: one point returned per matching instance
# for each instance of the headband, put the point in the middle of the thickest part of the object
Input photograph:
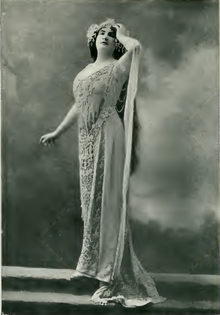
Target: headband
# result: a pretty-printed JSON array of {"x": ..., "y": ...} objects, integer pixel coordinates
[{"x": 94, "y": 28}]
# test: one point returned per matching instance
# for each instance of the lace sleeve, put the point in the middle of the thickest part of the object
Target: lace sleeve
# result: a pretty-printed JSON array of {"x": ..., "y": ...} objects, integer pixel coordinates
[
  {"x": 120, "y": 73},
  {"x": 124, "y": 63}
]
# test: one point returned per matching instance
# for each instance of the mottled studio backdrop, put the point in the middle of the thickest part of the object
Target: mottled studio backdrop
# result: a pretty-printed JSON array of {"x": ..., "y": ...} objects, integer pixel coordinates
[{"x": 174, "y": 190}]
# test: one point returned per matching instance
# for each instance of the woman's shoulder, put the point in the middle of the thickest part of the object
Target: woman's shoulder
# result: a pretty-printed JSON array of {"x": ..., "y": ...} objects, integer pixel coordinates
[
  {"x": 80, "y": 75},
  {"x": 83, "y": 70}
]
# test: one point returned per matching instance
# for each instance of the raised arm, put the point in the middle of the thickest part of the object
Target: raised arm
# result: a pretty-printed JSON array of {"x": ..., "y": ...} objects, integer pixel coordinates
[{"x": 132, "y": 45}]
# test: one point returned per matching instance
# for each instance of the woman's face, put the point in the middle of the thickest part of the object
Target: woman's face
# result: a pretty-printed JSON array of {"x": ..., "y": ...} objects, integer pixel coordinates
[{"x": 106, "y": 39}]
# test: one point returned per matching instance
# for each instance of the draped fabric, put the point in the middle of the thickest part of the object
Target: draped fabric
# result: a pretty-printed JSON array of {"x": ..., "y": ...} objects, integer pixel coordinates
[{"x": 105, "y": 148}]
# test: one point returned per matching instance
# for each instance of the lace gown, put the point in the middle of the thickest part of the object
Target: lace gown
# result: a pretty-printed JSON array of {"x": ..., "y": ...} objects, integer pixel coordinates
[
  {"x": 101, "y": 156},
  {"x": 102, "y": 159}
]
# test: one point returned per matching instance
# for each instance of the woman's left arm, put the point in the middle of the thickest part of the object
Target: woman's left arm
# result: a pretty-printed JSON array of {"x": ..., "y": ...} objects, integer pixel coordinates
[{"x": 132, "y": 45}]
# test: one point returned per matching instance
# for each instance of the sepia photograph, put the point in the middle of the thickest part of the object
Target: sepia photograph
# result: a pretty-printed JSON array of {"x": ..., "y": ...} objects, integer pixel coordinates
[{"x": 110, "y": 156}]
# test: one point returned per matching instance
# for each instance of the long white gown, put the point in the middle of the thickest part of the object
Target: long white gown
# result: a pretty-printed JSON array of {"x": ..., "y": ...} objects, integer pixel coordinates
[{"x": 104, "y": 155}]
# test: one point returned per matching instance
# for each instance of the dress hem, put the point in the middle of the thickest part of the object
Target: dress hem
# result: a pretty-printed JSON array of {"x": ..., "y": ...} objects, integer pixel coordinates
[{"x": 92, "y": 276}]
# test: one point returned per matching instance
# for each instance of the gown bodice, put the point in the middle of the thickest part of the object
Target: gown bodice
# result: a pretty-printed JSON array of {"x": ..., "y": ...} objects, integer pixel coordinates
[{"x": 97, "y": 94}]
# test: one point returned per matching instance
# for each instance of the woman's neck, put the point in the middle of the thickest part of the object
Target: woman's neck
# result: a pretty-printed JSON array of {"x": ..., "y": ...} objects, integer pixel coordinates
[{"x": 104, "y": 57}]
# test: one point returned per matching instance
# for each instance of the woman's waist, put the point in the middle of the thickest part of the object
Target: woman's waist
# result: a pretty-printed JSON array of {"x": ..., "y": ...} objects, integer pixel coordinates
[
  {"x": 90, "y": 119},
  {"x": 94, "y": 111},
  {"x": 88, "y": 99}
]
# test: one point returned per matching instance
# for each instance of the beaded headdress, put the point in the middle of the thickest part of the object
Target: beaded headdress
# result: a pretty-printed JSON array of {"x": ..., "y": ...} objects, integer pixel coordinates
[{"x": 94, "y": 28}]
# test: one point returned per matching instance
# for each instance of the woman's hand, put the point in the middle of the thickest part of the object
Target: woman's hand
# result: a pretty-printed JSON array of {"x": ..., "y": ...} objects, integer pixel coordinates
[
  {"x": 49, "y": 138},
  {"x": 121, "y": 30}
]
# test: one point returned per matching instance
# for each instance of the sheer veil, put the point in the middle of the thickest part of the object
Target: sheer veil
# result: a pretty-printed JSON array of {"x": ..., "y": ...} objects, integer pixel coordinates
[{"x": 130, "y": 283}]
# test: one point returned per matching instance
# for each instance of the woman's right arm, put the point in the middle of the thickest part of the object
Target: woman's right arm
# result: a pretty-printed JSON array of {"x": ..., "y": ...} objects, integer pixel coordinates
[{"x": 64, "y": 126}]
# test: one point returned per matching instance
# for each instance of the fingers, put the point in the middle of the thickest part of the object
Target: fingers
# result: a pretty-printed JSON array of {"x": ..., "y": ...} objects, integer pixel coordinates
[
  {"x": 53, "y": 141},
  {"x": 43, "y": 139},
  {"x": 47, "y": 140},
  {"x": 121, "y": 29},
  {"x": 116, "y": 26},
  {"x": 119, "y": 25}
]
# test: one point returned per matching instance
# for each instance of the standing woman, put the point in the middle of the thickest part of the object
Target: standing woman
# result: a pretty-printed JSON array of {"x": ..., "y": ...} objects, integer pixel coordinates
[{"x": 105, "y": 93}]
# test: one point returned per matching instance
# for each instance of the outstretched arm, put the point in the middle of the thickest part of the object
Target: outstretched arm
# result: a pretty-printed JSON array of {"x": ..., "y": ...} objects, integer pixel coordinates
[
  {"x": 67, "y": 121},
  {"x": 64, "y": 126}
]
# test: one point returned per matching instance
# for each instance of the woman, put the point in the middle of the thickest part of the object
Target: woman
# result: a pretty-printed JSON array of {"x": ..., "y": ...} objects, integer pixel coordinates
[{"x": 105, "y": 94}]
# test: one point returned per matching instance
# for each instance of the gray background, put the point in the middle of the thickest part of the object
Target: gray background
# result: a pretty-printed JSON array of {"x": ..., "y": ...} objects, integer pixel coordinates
[{"x": 174, "y": 190}]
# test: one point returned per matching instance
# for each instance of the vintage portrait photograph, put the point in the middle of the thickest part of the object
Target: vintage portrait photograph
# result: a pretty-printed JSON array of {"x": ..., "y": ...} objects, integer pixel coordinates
[{"x": 110, "y": 156}]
